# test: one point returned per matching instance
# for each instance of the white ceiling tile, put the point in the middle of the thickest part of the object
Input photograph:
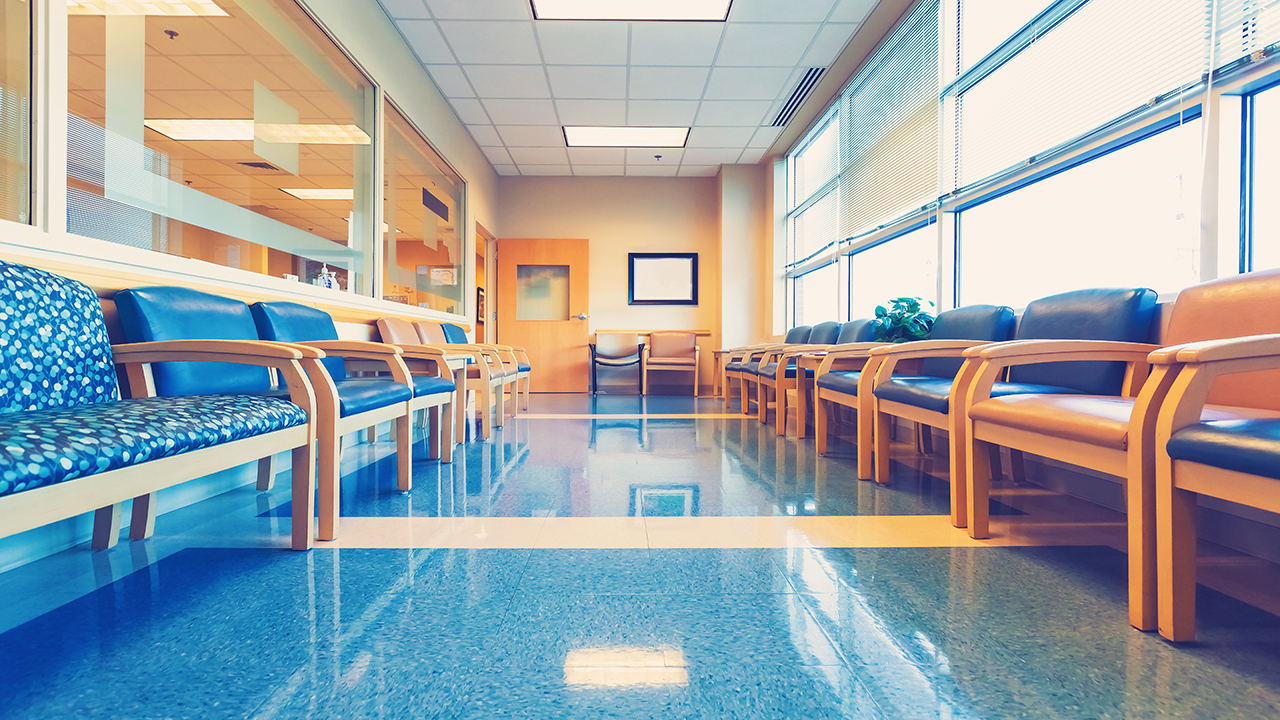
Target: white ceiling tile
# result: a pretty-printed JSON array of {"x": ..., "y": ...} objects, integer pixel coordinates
[
  {"x": 771, "y": 11},
  {"x": 451, "y": 81},
  {"x": 674, "y": 83},
  {"x": 674, "y": 43},
  {"x": 661, "y": 113},
  {"x": 583, "y": 43},
  {"x": 706, "y": 156},
  {"x": 516, "y": 112},
  {"x": 532, "y": 135},
  {"x": 597, "y": 156},
  {"x": 508, "y": 81},
  {"x": 588, "y": 81},
  {"x": 485, "y": 135},
  {"x": 598, "y": 169},
  {"x": 487, "y": 10},
  {"x": 469, "y": 111},
  {"x": 764, "y": 137},
  {"x": 492, "y": 42},
  {"x": 653, "y": 170},
  {"x": 539, "y": 169},
  {"x": 719, "y": 137},
  {"x": 732, "y": 112},
  {"x": 405, "y": 8},
  {"x": 764, "y": 45},
  {"x": 425, "y": 39},
  {"x": 743, "y": 83},
  {"x": 506, "y": 169},
  {"x": 831, "y": 40},
  {"x": 854, "y": 11},
  {"x": 645, "y": 156},
  {"x": 699, "y": 170},
  {"x": 497, "y": 155},
  {"x": 592, "y": 112},
  {"x": 539, "y": 156},
  {"x": 751, "y": 157}
]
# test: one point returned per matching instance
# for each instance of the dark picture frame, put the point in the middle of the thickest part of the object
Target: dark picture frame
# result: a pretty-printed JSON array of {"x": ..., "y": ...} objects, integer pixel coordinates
[{"x": 662, "y": 278}]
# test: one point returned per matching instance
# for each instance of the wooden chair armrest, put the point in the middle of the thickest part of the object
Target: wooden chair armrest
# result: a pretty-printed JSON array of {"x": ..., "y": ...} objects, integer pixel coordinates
[
  {"x": 859, "y": 350},
  {"x": 1252, "y": 346},
  {"x": 1045, "y": 350},
  {"x": 929, "y": 348},
  {"x": 169, "y": 350},
  {"x": 354, "y": 348}
]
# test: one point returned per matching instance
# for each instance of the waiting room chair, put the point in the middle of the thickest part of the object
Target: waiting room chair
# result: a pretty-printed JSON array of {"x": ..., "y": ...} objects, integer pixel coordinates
[
  {"x": 74, "y": 446},
  {"x": 743, "y": 360},
  {"x": 617, "y": 350},
  {"x": 854, "y": 334},
  {"x": 514, "y": 362},
  {"x": 776, "y": 373},
  {"x": 486, "y": 374},
  {"x": 670, "y": 350}
]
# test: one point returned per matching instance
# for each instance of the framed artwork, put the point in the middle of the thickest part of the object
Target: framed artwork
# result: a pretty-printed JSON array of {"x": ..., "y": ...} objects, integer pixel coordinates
[{"x": 662, "y": 278}]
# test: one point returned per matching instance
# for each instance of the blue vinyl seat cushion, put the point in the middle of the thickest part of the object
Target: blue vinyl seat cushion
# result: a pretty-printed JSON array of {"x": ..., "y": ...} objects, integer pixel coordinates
[
  {"x": 740, "y": 366},
  {"x": 431, "y": 385},
  {"x": 1246, "y": 446},
  {"x": 454, "y": 334},
  {"x": 932, "y": 393},
  {"x": 842, "y": 381},
  {"x": 524, "y": 367},
  {"x": 771, "y": 371},
  {"x": 45, "y": 447}
]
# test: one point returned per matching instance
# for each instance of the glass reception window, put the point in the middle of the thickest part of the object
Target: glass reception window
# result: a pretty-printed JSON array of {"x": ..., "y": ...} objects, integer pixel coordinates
[
  {"x": 238, "y": 135},
  {"x": 542, "y": 292},
  {"x": 15, "y": 116},
  {"x": 422, "y": 216}
]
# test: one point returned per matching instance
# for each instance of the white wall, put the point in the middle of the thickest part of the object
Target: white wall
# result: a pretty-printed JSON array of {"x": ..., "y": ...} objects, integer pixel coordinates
[{"x": 745, "y": 316}]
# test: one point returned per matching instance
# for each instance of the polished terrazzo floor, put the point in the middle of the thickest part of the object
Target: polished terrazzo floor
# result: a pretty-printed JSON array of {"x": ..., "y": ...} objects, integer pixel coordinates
[{"x": 631, "y": 558}]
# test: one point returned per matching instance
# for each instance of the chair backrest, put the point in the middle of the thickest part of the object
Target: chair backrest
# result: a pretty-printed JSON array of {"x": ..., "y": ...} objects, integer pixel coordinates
[
  {"x": 617, "y": 346},
  {"x": 291, "y": 322},
  {"x": 177, "y": 313},
  {"x": 824, "y": 333},
  {"x": 397, "y": 331},
  {"x": 1105, "y": 314},
  {"x": 1232, "y": 307},
  {"x": 430, "y": 333},
  {"x": 798, "y": 334},
  {"x": 454, "y": 334},
  {"x": 856, "y": 331},
  {"x": 55, "y": 351},
  {"x": 976, "y": 322},
  {"x": 672, "y": 344}
]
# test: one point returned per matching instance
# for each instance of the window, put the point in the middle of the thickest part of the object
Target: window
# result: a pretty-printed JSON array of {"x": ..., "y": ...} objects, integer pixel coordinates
[
  {"x": 906, "y": 266},
  {"x": 1127, "y": 219},
  {"x": 816, "y": 295},
  {"x": 815, "y": 165},
  {"x": 1265, "y": 230},
  {"x": 240, "y": 136},
  {"x": 986, "y": 24},
  {"x": 422, "y": 220},
  {"x": 15, "y": 114}
]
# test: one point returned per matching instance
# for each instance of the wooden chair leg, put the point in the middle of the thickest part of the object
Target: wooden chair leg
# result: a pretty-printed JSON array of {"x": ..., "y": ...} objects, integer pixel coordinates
[
  {"x": 820, "y": 421},
  {"x": 404, "y": 453},
  {"x": 802, "y": 405},
  {"x": 327, "y": 478},
  {"x": 1176, "y": 560},
  {"x": 435, "y": 442},
  {"x": 996, "y": 467},
  {"x": 500, "y": 415},
  {"x": 881, "y": 432},
  {"x": 742, "y": 382},
  {"x": 483, "y": 401},
  {"x": 926, "y": 438},
  {"x": 303, "y": 496},
  {"x": 106, "y": 526},
  {"x": 958, "y": 450},
  {"x": 527, "y": 382},
  {"x": 865, "y": 421},
  {"x": 979, "y": 490},
  {"x": 447, "y": 437},
  {"x": 765, "y": 395},
  {"x": 371, "y": 434},
  {"x": 1017, "y": 467},
  {"x": 780, "y": 411},
  {"x": 142, "y": 524},
  {"x": 266, "y": 473}
]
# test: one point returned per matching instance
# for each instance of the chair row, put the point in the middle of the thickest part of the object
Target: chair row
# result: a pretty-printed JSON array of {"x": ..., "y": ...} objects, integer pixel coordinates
[
  {"x": 201, "y": 398},
  {"x": 1078, "y": 382},
  {"x": 667, "y": 350}
]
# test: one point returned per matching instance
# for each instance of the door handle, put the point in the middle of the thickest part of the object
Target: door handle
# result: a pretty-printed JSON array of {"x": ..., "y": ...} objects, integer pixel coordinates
[{"x": 580, "y": 316}]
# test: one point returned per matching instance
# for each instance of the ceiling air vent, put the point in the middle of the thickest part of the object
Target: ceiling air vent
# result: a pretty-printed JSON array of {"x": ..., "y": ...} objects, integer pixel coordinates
[
  {"x": 261, "y": 166},
  {"x": 803, "y": 88}
]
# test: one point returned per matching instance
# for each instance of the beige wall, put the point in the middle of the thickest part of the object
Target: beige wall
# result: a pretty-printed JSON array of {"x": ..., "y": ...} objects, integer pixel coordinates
[
  {"x": 620, "y": 215},
  {"x": 745, "y": 316}
]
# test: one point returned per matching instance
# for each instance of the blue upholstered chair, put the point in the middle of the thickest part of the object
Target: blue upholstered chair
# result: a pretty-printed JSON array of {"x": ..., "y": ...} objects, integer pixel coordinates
[
  {"x": 72, "y": 445},
  {"x": 777, "y": 372},
  {"x": 742, "y": 361},
  {"x": 489, "y": 370},
  {"x": 514, "y": 368},
  {"x": 348, "y": 404}
]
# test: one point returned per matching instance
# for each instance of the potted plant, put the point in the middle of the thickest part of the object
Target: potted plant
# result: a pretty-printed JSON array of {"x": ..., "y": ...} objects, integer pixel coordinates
[{"x": 904, "y": 321}]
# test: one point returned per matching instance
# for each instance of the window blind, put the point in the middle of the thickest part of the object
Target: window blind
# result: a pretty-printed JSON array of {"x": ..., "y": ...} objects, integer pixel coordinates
[
  {"x": 1245, "y": 27},
  {"x": 1104, "y": 60},
  {"x": 890, "y": 113},
  {"x": 814, "y": 229}
]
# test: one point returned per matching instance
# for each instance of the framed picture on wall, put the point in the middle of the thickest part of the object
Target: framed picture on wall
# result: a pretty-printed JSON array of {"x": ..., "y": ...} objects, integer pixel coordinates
[{"x": 662, "y": 278}]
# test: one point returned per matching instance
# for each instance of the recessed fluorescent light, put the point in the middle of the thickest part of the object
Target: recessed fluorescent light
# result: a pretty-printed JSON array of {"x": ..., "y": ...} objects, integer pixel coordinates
[
  {"x": 321, "y": 193},
  {"x": 712, "y": 10},
  {"x": 645, "y": 137},
  {"x": 188, "y": 130},
  {"x": 173, "y": 8}
]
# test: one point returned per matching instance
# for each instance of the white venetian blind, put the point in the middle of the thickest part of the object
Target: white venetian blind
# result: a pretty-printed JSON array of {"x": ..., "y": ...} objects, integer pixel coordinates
[
  {"x": 889, "y": 114},
  {"x": 1245, "y": 27},
  {"x": 1103, "y": 61},
  {"x": 817, "y": 162}
]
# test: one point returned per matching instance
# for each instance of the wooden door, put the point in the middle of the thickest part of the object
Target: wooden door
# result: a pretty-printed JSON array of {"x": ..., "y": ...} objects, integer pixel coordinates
[{"x": 542, "y": 307}]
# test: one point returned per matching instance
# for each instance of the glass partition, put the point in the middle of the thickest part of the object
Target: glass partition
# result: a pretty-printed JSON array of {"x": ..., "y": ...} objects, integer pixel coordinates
[
  {"x": 422, "y": 220},
  {"x": 229, "y": 131},
  {"x": 15, "y": 114}
]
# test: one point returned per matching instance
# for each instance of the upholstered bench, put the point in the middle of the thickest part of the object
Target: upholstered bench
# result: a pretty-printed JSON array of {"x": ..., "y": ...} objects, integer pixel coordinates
[{"x": 70, "y": 444}]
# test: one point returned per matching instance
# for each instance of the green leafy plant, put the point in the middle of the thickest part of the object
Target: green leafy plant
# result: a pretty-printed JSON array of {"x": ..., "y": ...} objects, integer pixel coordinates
[{"x": 905, "y": 320}]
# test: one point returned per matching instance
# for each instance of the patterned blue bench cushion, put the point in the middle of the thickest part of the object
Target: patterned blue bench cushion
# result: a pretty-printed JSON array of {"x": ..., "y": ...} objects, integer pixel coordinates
[{"x": 45, "y": 447}]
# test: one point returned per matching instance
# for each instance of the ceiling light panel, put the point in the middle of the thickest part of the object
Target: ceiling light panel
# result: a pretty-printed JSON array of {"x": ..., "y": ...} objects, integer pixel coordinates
[
  {"x": 681, "y": 10},
  {"x": 321, "y": 193},
  {"x": 641, "y": 137},
  {"x": 188, "y": 130},
  {"x": 172, "y": 8}
]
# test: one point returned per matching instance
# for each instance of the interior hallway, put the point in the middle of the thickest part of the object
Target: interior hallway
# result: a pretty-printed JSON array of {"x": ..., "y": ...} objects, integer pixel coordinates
[{"x": 620, "y": 556}]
